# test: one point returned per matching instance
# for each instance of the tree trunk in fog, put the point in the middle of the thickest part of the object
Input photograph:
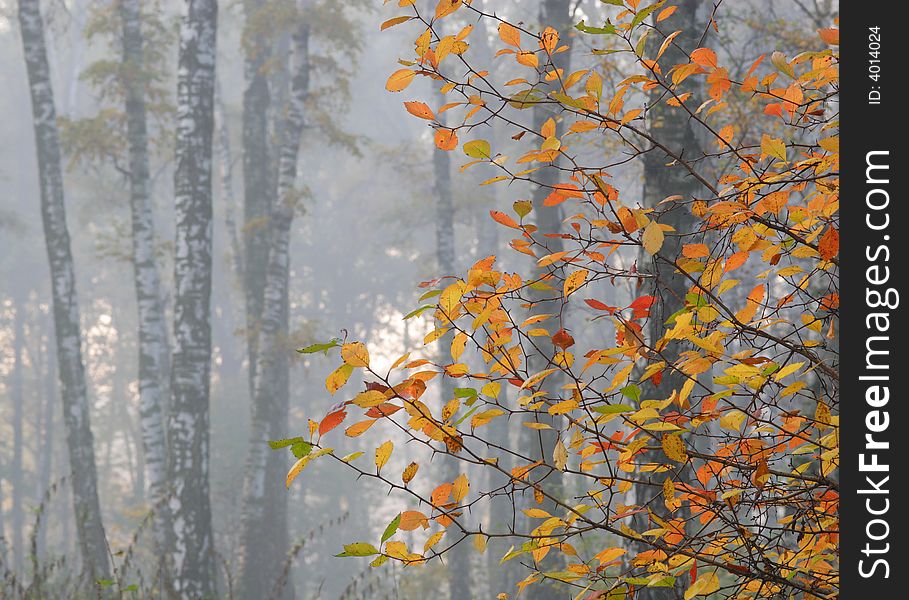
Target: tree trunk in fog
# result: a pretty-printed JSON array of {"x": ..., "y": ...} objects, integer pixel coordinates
[
  {"x": 152, "y": 342},
  {"x": 90, "y": 530},
  {"x": 226, "y": 173},
  {"x": 458, "y": 557},
  {"x": 16, "y": 477},
  {"x": 192, "y": 552},
  {"x": 541, "y": 443},
  {"x": 265, "y": 539},
  {"x": 257, "y": 199},
  {"x": 669, "y": 286},
  {"x": 48, "y": 441}
]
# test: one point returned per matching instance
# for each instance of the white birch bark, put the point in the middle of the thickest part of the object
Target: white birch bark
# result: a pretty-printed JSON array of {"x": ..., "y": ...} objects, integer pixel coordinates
[
  {"x": 191, "y": 552},
  {"x": 87, "y": 509},
  {"x": 153, "y": 345}
]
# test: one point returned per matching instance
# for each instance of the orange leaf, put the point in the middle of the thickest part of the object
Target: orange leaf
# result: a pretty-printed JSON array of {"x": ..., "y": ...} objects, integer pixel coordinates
[
  {"x": 510, "y": 35},
  {"x": 735, "y": 261},
  {"x": 359, "y": 428},
  {"x": 704, "y": 57},
  {"x": 446, "y": 7},
  {"x": 419, "y": 109},
  {"x": 399, "y": 80},
  {"x": 500, "y": 217},
  {"x": 528, "y": 59},
  {"x": 446, "y": 139},
  {"x": 829, "y": 244},
  {"x": 411, "y": 519},
  {"x": 830, "y": 36}
]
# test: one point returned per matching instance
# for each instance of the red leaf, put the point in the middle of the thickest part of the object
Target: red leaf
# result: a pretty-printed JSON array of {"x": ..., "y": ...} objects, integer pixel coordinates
[
  {"x": 596, "y": 304},
  {"x": 562, "y": 339},
  {"x": 331, "y": 421}
]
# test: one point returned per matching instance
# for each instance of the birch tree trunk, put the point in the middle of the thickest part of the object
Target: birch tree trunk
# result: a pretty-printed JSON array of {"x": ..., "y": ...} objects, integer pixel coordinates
[
  {"x": 152, "y": 343},
  {"x": 265, "y": 540},
  {"x": 192, "y": 552},
  {"x": 257, "y": 199},
  {"x": 87, "y": 509}
]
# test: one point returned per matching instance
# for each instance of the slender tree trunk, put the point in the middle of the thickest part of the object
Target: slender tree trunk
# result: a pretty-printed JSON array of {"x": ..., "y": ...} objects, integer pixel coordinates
[
  {"x": 46, "y": 455},
  {"x": 16, "y": 475},
  {"x": 458, "y": 558},
  {"x": 541, "y": 443},
  {"x": 669, "y": 286},
  {"x": 226, "y": 173},
  {"x": 90, "y": 530},
  {"x": 265, "y": 540},
  {"x": 192, "y": 551},
  {"x": 153, "y": 344},
  {"x": 257, "y": 199}
]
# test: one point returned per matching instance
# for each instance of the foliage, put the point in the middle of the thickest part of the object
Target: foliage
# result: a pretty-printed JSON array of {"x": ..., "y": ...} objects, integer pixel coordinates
[{"x": 746, "y": 449}]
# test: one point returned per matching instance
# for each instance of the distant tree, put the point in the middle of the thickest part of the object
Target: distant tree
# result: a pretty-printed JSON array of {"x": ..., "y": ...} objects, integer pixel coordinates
[
  {"x": 76, "y": 413},
  {"x": 264, "y": 524}
]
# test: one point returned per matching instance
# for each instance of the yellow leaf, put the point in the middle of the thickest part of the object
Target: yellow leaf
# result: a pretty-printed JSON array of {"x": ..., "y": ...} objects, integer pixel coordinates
[
  {"x": 355, "y": 354},
  {"x": 338, "y": 378},
  {"x": 368, "y": 399},
  {"x": 674, "y": 448},
  {"x": 732, "y": 420},
  {"x": 560, "y": 455},
  {"x": 360, "y": 428},
  {"x": 409, "y": 472},
  {"x": 609, "y": 555},
  {"x": 706, "y": 584},
  {"x": 433, "y": 540},
  {"x": 510, "y": 35},
  {"x": 574, "y": 281},
  {"x": 459, "y": 487},
  {"x": 773, "y": 147},
  {"x": 652, "y": 238},
  {"x": 479, "y": 543},
  {"x": 383, "y": 453},
  {"x": 301, "y": 464}
]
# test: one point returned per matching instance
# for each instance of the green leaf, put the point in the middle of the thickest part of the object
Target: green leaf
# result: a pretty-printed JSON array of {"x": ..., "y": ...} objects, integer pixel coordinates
[
  {"x": 644, "y": 13},
  {"x": 632, "y": 392},
  {"x": 278, "y": 444},
  {"x": 301, "y": 449},
  {"x": 323, "y": 347},
  {"x": 606, "y": 29},
  {"x": 392, "y": 528},
  {"x": 358, "y": 549},
  {"x": 418, "y": 311}
]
